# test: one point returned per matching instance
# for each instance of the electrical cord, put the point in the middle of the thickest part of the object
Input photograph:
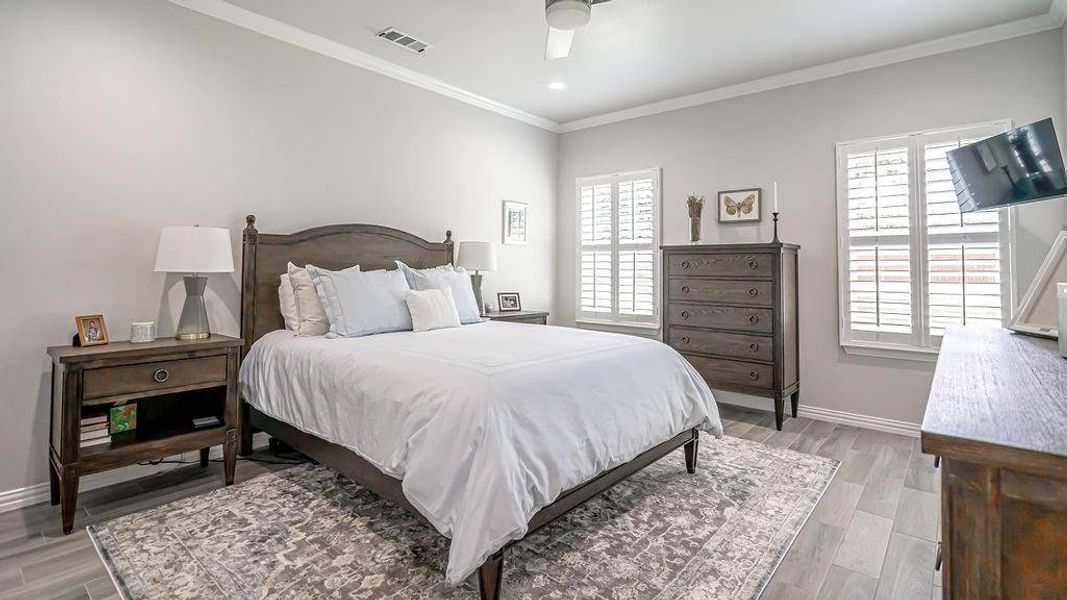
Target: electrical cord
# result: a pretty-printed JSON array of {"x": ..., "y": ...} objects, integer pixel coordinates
[{"x": 182, "y": 461}]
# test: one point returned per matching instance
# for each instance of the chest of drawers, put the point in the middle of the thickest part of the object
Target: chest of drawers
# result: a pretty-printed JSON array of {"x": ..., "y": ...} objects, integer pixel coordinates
[{"x": 731, "y": 310}]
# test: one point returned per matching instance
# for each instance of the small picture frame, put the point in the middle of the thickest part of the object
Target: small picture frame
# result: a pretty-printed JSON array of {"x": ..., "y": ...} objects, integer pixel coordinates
[
  {"x": 515, "y": 222},
  {"x": 741, "y": 206},
  {"x": 508, "y": 302},
  {"x": 91, "y": 330}
]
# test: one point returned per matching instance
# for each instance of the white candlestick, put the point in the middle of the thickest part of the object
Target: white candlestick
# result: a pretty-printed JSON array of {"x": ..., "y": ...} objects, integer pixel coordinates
[{"x": 775, "y": 196}]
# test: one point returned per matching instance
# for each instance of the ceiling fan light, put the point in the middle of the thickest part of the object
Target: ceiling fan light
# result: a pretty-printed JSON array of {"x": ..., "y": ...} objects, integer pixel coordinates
[{"x": 567, "y": 15}]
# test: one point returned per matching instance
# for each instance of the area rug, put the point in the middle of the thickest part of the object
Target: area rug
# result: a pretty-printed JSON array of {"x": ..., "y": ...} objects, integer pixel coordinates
[{"x": 307, "y": 532}]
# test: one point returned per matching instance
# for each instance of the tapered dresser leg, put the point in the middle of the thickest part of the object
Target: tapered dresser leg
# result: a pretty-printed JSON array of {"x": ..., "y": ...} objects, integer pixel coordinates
[
  {"x": 204, "y": 452},
  {"x": 246, "y": 430},
  {"x": 68, "y": 495},
  {"x": 490, "y": 576},
  {"x": 691, "y": 449},
  {"x": 53, "y": 484},
  {"x": 794, "y": 400},
  {"x": 779, "y": 412},
  {"x": 229, "y": 456}
]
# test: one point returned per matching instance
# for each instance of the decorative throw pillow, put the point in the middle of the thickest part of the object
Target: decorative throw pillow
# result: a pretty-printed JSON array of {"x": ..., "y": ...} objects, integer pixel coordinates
[
  {"x": 455, "y": 278},
  {"x": 432, "y": 309},
  {"x": 287, "y": 303},
  {"x": 361, "y": 303},
  {"x": 311, "y": 316}
]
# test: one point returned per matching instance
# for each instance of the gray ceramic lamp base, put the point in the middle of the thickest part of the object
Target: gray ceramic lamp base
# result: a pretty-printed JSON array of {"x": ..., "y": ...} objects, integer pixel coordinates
[
  {"x": 193, "y": 324},
  {"x": 476, "y": 284}
]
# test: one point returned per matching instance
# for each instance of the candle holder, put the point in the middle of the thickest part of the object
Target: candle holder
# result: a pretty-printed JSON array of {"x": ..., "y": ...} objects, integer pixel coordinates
[{"x": 775, "y": 215}]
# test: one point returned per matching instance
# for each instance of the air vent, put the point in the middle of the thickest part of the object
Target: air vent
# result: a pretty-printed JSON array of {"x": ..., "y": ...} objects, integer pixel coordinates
[{"x": 404, "y": 40}]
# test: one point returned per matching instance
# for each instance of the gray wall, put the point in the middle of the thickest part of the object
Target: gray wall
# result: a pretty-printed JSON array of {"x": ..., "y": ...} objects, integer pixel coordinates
[
  {"x": 120, "y": 117},
  {"x": 789, "y": 135}
]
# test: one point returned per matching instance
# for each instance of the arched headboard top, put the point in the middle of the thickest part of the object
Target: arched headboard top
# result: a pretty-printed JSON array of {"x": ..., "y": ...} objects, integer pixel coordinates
[{"x": 266, "y": 257}]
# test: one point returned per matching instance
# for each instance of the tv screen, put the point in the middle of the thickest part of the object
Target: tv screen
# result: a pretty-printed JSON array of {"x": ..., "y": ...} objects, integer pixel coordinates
[{"x": 1021, "y": 165}]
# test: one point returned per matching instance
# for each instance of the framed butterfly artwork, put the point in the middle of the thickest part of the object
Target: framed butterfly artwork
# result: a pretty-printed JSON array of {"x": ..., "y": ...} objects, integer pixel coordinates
[{"x": 741, "y": 206}]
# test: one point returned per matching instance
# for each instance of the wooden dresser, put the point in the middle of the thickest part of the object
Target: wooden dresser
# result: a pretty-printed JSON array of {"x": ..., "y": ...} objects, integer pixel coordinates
[
  {"x": 997, "y": 417},
  {"x": 731, "y": 310}
]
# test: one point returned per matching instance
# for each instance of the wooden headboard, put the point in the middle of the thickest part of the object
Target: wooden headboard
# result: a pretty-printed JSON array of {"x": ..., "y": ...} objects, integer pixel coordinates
[{"x": 334, "y": 247}]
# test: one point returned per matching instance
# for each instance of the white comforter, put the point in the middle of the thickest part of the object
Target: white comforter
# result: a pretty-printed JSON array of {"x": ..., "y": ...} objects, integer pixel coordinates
[{"x": 487, "y": 423}]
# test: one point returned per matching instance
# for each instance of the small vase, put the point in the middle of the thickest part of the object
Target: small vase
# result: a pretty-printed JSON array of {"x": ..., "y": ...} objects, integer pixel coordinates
[{"x": 694, "y": 230}]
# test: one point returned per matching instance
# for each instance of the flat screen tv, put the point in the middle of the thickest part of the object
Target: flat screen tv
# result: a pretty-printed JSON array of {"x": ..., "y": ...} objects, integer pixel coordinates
[{"x": 1021, "y": 165}]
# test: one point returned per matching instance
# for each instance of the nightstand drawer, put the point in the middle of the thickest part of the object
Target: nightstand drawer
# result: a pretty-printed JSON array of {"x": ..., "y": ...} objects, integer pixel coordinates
[
  {"x": 756, "y": 320},
  {"x": 721, "y": 265},
  {"x": 719, "y": 372},
  {"x": 149, "y": 377}
]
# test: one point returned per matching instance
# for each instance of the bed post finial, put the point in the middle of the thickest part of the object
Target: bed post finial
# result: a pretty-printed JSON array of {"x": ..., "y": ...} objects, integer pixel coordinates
[
  {"x": 251, "y": 221},
  {"x": 250, "y": 229},
  {"x": 451, "y": 245},
  {"x": 448, "y": 236}
]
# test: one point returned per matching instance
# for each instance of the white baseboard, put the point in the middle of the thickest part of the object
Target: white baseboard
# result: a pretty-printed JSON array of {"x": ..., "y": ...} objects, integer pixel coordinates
[
  {"x": 825, "y": 414},
  {"x": 38, "y": 493}
]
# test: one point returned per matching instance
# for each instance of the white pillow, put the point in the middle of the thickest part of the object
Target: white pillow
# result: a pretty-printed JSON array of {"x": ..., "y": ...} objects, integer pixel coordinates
[
  {"x": 311, "y": 316},
  {"x": 362, "y": 303},
  {"x": 455, "y": 278},
  {"x": 432, "y": 309},
  {"x": 287, "y": 303}
]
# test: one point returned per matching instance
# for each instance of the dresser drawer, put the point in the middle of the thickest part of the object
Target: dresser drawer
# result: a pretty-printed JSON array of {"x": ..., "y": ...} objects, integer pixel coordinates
[
  {"x": 721, "y": 265},
  {"x": 756, "y": 320},
  {"x": 754, "y": 293},
  {"x": 718, "y": 371},
  {"x": 736, "y": 345},
  {"x": 149, "y": 377}
]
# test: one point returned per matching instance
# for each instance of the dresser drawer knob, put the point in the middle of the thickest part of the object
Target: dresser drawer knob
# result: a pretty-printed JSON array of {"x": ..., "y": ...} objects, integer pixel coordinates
[
  {"x": 685, "y": 339},
  {"x": 753, "y": 347},
  {"x": 685, "y": 314},
  {"x": 753, "y": 319},
  {"x": 161, "y": 375},
  {"x": 753, "y": 375},
  {"x": 753, "y": 265},
  {"x": 686, "y": 264},
  {"x": 685, "y": 289},
  {"x": 753, "y": 292}
]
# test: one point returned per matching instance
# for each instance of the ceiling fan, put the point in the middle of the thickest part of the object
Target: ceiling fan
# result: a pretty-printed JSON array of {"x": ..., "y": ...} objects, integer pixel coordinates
[{"x": 564, "y": 17}]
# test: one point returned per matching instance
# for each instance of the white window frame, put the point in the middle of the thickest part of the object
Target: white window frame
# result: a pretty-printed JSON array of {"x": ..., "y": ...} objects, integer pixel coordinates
[
  {"x": 920, "y": 344},
  {"x": 618, "y": 321}
]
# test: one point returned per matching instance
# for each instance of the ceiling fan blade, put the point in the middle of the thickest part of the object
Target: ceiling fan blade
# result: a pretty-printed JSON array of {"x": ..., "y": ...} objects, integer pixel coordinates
[{"x": 558, "y": 44}]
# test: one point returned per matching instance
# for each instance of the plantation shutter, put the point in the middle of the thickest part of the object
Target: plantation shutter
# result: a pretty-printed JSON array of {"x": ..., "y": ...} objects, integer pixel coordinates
[
  {"x": 618, "y": 242},
  {"x": 879, "y": 242}
]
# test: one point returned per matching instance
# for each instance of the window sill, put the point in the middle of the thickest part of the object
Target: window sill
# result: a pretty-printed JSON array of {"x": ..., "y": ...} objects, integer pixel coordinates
[
  {"x": 648, "y": 329},
  {"x": 895, "y": 351}
]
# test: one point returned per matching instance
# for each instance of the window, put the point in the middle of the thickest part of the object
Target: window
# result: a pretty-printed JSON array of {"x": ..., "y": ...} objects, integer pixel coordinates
[
  {"x": 910, "y": 264},
  {"x": 618, "y": 248}
]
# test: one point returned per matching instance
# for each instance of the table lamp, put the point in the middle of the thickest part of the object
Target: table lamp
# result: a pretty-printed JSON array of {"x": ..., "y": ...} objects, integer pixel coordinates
[
  {"x": 477, "y": 257},
  {"x": 194, "y": 250}
]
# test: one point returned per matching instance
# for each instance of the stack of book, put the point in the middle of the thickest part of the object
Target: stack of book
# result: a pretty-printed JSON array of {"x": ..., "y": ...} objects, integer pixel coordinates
[{"x": 94, "y": 431}]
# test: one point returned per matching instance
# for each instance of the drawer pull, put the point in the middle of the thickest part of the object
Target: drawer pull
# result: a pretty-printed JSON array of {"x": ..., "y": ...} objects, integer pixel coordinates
[
  {"x": 685, "y": 314},
  {"x": 161, "y": 375},
  {"x": 753, "y": 347},
  {"x": 753, "y": 375},
  {"x": 753, "y": 265},
  {"x": 685, "y": 289},
  {"x": 753, "y": 292},
  {"x": 686, "y": 264},
  {"x": 753, "y": 319},
  {"x": 685, "y": 339}
]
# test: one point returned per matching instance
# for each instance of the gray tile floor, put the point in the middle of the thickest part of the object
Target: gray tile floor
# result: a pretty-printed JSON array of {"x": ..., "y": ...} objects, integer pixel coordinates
[{"x": 873, "y": 534}]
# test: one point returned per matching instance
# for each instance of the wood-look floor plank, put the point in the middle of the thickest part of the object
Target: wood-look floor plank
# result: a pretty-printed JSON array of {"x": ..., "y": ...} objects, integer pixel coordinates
[
  {"x": 864, "y": 545},
  {"x": 885, "y": 481},
  {"x": 814, "y": 435},
  {"x": 921, "y": 472},
  {"x": 838, "y": 442},
  {"x": 805, "y": 565},
  {"x": 101, "y": 588},
  {"x": 917, "y": 514},
  {"x": 838, "y": 503},
  {"x": 843, "y": 584},
  {"x": 906, "y": 571},
  {"x": 10, "y": 578}
]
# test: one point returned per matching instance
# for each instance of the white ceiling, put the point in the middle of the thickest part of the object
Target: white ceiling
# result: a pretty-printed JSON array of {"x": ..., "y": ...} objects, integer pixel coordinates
[{"x": 633, "y": 52}]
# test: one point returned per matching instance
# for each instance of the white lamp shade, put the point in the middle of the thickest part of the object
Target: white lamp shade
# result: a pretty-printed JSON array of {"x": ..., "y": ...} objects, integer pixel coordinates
[
  {"x": 194, "y": 250},
  {"x": 477, "y": 256}
]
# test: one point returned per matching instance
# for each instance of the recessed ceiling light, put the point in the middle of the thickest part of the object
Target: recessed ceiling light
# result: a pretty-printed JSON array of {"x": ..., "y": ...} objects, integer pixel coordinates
[{"x": 557, "y": 85}]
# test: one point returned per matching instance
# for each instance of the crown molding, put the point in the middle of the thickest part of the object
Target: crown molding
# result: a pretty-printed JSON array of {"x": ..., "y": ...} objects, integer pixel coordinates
[
  {"x": 1054, "y": 19},
  {"x": 235, "y": 15}
]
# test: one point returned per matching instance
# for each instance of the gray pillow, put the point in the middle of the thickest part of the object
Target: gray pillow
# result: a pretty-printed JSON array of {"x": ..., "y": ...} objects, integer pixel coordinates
[
  {"x": 455, "y": 278},
  {"x": 360, "y": 303}
]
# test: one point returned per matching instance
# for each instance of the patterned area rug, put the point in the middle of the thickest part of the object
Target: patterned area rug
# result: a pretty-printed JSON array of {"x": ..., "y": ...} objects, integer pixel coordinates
[{"x": 308, "y": 533}]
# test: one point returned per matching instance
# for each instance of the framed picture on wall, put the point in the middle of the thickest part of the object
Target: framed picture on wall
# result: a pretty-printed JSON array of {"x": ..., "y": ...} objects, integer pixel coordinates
[
  {"x": 515, "y": 222},
  {"x": 741, "y": 206}
]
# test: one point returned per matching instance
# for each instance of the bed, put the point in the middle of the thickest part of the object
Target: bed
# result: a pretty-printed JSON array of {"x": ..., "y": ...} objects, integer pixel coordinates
[{"x": 488, "y": 431}]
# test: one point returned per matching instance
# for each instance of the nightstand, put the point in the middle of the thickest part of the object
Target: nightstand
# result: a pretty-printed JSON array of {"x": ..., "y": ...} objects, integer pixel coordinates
[
  {"x": 171, "y": 382},
  {"x": 519, "y": 316}
]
